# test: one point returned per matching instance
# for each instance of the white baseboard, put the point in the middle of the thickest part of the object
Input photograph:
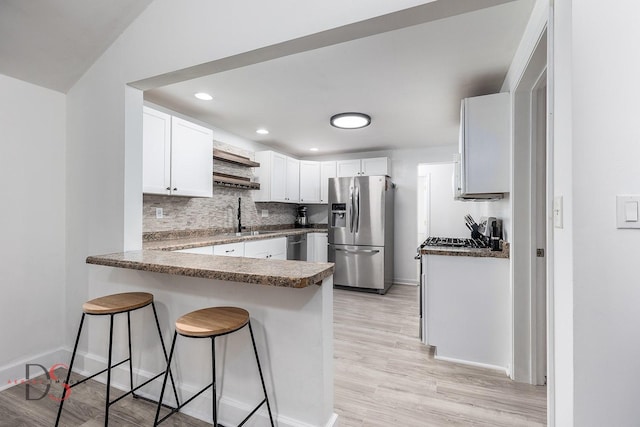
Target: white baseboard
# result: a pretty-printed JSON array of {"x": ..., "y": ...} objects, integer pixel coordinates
[
  {"x": 405, "y": 282},
  {"x": 17, "y": 371},
  {"x": 476, "y": 364},
  {"x": 231, "y": 410}
]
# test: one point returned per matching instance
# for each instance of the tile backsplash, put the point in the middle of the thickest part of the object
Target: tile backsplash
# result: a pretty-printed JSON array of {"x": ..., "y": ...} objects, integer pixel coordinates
[{"x": 218, "y": 212}]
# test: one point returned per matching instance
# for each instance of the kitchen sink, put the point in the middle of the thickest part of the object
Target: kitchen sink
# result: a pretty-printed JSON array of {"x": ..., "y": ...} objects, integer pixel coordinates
[{"x": 250, "y": 233}]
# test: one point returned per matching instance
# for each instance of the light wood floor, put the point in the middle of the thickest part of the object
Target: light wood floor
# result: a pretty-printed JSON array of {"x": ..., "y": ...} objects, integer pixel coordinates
[{"x": 383, "y": 377}]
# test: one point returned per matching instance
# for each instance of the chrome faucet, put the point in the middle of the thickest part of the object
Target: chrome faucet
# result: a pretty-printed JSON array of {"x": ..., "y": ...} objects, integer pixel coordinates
[{"x": 239, "y": 215}]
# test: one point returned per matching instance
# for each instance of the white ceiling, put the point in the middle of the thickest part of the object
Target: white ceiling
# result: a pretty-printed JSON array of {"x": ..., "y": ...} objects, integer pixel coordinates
[
  {"x": 410, "y": 81},
  {"x": 51, "y": 43}
]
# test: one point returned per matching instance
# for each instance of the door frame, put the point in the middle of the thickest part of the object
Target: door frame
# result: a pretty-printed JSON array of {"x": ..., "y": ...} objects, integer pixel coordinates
[{"x": 525, "y": 324}]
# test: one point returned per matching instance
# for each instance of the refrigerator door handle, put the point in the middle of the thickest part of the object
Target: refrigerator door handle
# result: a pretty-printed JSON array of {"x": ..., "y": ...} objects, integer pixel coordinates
[
  {"x": 358, "y": 207},
  {"x": 351, "y": 210},
  {"x": 359, "y": 251}
]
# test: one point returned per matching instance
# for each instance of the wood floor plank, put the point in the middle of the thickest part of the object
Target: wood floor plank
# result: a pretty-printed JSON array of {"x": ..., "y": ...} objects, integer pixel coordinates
[{"x": 385, "y": 376}]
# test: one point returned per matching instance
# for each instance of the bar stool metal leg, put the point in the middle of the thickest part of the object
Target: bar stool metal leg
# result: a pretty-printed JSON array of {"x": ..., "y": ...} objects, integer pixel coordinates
[
  {"x": 264, "y": 388},
  {"x": 130, "y": 358},
  {"x": 164, "y": 385},
  {"x": 213, "y": 371},
  {"x": 66, "y": 381},
  {"x": 107, "y": 402},
  {"x": 164, "y": 351}
]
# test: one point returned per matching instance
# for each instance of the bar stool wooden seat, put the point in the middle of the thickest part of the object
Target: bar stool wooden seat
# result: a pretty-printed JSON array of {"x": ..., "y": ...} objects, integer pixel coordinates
[
  {"x": 111, "y": 305},
  {"x": 212, "y": 322}
]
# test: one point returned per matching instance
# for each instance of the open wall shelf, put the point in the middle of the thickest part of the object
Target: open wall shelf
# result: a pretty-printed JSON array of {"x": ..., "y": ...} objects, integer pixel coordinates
[
  {"x": 234, "y": 158},
  {"x": 234, "y": 181}
]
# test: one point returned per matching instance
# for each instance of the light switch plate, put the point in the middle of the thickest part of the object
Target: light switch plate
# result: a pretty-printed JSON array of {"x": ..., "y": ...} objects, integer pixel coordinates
[
  {"x": 557, "y": 212},
  {"x": 265, "y": 213},
  {"x": 159, "y": 213},
  {"x": 628, "y": 211}
]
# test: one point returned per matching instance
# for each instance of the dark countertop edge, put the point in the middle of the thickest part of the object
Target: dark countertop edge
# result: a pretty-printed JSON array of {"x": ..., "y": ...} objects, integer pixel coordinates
[
  {"x": 267, "y": 280},
  {"x": 469, "y": 252},
  {"x": 196, "y": 242}
]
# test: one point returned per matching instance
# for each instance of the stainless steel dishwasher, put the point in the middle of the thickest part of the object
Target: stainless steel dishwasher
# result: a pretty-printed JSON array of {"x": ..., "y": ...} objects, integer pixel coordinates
[{"x": 297, "y": 247}]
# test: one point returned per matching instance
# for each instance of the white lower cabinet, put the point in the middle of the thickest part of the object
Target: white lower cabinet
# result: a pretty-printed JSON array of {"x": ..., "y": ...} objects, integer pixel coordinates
[
  {"x": 317, "y": 246},
  {"x": 203, "y": 250},
  {"x": 229, "y": 249},
  {"x": 267, "y": 248}
]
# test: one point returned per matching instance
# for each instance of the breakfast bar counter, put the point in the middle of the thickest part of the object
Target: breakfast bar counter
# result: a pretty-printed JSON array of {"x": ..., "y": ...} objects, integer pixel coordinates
[
  {"x": 291, "y": 274},
  {"x": 291, "y": 309}
]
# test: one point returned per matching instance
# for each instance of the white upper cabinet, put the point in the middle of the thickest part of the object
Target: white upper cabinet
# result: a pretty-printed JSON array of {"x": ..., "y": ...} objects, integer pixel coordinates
[
  {"x": 279, "y": 178},
  {"x": 375, "y": 166},
  {"x": 310, "y": 181},
  {"x": 292, "y": 185},
  {"x": 363, "y": 167},
  {"x": 191, "y": 159},
  {"x": 156, "y": 148},
  {"x": 348, "y": 167},
  {"x": 327, "y": 170},
  {"x": 484, "y": 145},
  {"x": 177, "y": 156}
]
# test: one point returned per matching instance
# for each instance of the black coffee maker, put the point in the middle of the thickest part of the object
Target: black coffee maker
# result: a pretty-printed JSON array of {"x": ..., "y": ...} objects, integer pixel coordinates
[{"x": 301, "y": 220}]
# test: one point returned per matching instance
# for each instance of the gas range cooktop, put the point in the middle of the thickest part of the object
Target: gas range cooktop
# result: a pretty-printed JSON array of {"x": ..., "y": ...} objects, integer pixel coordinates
[{"x": 454, "y": 242}]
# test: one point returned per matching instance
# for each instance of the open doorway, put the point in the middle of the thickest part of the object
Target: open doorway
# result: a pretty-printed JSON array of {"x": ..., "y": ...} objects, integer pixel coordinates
[{"x": 530, "y": 211}]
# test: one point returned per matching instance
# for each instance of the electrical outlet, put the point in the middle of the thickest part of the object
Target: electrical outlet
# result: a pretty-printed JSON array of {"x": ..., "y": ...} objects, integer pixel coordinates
[
  {"x": 265, "y": 213},
  {"x": 159, "y": 213}
]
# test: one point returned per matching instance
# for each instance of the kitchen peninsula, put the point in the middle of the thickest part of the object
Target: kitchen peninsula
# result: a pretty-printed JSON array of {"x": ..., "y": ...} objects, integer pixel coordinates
[{"x": 291, "y": 308}]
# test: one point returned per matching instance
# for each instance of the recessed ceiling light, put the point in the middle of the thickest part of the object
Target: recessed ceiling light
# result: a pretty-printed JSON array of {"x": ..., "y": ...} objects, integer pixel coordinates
[
  {"x": 203, "y": 96},
  {"x": 313, "y": 149},
  {"x": 262, "y": 131},
  {"x": 350, "y": 120}
]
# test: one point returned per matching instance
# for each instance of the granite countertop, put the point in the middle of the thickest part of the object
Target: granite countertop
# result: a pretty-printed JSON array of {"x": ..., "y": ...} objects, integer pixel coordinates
[
  {"x": 292, "y": 274},
  {"x": 196, "y": 241},
  {"x": 472, "y": 252},
  {"x": 157, "y": 256}
]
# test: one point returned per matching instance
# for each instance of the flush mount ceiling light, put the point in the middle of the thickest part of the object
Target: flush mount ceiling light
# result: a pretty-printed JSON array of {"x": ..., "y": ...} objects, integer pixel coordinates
[
  {"x": 262, "y": 131},
  {"x": 313, "y": 149},
  {"x": 203, "y": 96},
  {"x": 350, "y": 120}
]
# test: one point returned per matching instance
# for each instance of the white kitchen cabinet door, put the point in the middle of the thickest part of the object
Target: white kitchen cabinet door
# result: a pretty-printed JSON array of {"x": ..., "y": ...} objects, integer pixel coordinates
[
  {"x": 267, "y": 248},
  {"x": 191, "y": 159},
  {"x": 293, "y": 180},
  {"x": 327, "y": 170},
  {"x": 229, "y": 249},
  {"x": 310, "y": 181},
  {"x": 317, "y": 247},
  {"x": 279, "y": 178},
  {"x": 375, "y": 166},
  {"x": 348, "y": 167},
  {"x": 203, "y": 250},
  {"x": 156, "y": 148},
  {"x": 485, "y": 136}
]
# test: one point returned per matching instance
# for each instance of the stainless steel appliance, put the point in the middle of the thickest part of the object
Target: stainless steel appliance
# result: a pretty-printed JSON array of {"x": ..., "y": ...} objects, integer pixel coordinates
[
  {"x": 361, "y": 231},
  {"x": 301, "y": 219},
  {"x": 297, "y": 247}
]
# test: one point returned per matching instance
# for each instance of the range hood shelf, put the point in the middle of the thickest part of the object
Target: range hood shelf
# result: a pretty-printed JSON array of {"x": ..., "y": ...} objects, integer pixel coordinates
[
  {"x": 225, "y": 156},
  {"x": 234, "y": 181}
]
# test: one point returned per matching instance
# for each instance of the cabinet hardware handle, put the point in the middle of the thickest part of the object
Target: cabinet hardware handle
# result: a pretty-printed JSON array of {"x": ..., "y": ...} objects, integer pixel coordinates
[
  {"x": 168, "y": 188},
  {"x": 231, "y": 250},
  {"x": 175, "y": 189}
]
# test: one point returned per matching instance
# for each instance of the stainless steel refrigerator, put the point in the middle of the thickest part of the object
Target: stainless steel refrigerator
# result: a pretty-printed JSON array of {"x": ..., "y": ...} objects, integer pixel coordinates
[{"x": 361, "y": 231}]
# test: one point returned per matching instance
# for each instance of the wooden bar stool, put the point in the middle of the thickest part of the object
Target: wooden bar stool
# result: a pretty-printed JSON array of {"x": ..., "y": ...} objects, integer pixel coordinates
[
  {"x": 211, "y": 323},
  {"x": 110, "y": 305}
]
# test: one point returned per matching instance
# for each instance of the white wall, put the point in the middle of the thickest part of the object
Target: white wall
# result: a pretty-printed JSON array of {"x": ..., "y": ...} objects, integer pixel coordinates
[
  {"x": 104, "y": 133},
  {"x": 32, "y": 162},
  {"x": 605, "y": 157}
]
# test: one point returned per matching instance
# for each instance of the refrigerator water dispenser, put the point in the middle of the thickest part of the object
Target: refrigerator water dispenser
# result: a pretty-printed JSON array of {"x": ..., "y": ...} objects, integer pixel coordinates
[{"x": 338, "y": 215}]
